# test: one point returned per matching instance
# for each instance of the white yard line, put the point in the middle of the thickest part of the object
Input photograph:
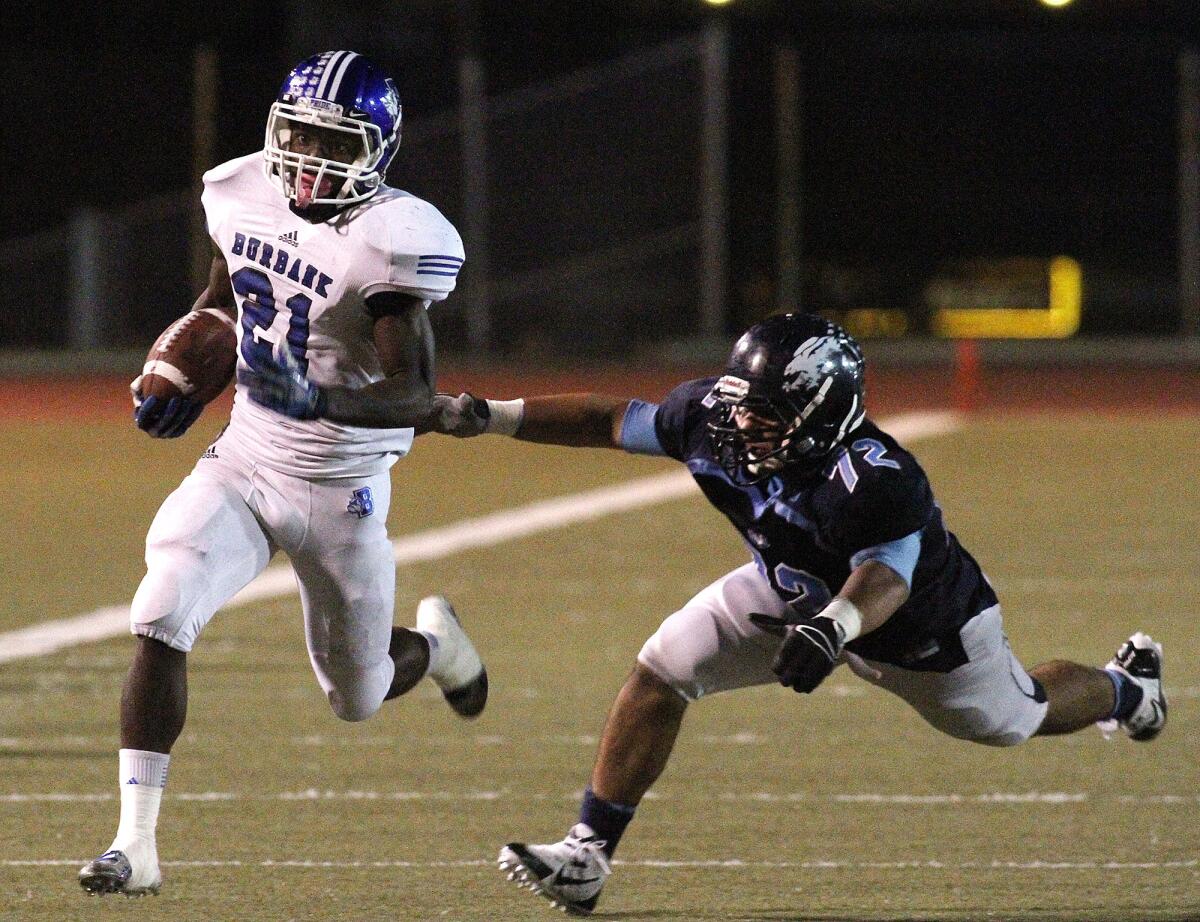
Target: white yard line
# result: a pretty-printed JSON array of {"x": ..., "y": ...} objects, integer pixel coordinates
[
  {"x": 1006, "y": 799},
  {"x": 437, "y": 543},
  {"x": 996, "y": 864}
]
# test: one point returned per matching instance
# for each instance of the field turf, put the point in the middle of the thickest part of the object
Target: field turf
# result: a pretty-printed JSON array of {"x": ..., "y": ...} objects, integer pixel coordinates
[{"x": 839, "y": 806}]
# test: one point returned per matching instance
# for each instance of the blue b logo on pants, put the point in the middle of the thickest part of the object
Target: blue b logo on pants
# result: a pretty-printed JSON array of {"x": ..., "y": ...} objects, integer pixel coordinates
[{"x": 362, "y": 504}]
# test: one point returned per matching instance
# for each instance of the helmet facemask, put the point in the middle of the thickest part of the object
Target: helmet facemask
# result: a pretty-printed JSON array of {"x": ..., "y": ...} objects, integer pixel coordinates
[
  {"x": 762, "y": 430},
  {"x": 757, "y": 435},
  {"x": 349, "y": 181}
]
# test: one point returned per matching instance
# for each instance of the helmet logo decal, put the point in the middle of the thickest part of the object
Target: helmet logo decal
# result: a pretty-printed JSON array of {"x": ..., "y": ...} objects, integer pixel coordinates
[
  {"x": 810, "y": 355},
  {"x": 391, "y": 101}
]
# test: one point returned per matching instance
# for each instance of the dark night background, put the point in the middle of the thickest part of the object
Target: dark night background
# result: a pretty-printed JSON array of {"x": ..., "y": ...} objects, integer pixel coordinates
[{"x": 930, "y": 129}]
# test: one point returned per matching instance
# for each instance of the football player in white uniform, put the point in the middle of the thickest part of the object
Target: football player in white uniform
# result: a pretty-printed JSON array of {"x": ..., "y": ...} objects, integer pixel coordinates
[{"x": 327, "y": 273}]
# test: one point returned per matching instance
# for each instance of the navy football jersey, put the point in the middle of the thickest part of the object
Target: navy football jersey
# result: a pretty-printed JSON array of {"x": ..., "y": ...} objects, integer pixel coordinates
[{"x": 808, "y": 531}]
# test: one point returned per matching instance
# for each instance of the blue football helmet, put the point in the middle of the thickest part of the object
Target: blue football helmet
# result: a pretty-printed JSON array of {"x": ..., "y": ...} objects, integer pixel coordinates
[
  {"x": 792, "y": 390},
  {"x": 338, "y": 91}
]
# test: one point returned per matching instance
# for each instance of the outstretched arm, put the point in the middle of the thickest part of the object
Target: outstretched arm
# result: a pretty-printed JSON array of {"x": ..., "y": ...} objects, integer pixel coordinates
[
  {"x": 585, "y": 420},
  {"x": 573, "y": 419}
]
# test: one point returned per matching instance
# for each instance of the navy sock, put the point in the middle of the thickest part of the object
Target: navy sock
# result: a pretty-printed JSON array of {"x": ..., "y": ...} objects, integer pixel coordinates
[
  {"x": 1128, "y": 695},
  {"x": 606, "y": 818}
]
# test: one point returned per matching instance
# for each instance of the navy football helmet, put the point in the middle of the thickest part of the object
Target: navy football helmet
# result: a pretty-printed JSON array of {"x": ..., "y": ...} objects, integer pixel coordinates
[
  {"x": 792, "y": 390},
  {"x": 336, "y": 91}
]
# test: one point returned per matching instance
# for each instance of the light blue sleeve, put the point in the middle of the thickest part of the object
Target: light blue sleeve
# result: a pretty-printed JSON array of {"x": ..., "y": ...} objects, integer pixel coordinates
[
  {"x": 901, "y": 555},
  {"x": 637, "y": 429}
]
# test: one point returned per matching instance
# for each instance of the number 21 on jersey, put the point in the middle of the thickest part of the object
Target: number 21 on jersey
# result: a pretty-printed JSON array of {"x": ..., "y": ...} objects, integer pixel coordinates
[{"x": 259, "y": 309}]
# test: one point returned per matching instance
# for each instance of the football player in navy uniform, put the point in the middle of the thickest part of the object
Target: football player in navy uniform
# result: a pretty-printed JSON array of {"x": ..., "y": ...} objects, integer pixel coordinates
[
  {"x": 851, "y": 563},
  {"x": 327, "y": 274}
]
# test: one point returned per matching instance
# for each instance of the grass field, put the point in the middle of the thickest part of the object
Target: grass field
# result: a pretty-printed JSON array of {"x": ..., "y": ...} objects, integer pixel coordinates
[{"x": 842, "y": 806}]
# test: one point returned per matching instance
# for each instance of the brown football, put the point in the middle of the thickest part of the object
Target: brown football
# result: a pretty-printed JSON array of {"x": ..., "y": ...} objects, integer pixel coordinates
[{"x": 194, "y": 357}]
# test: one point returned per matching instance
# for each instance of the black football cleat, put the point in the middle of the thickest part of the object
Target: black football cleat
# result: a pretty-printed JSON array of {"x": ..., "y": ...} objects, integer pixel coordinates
[{"x": 459, "y": 671}]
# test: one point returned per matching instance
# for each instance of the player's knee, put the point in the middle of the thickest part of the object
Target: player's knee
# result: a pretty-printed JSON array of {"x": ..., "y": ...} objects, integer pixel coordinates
[
  {"x": 1002, "y": 738},
  {"x": 157, "y": 597},
  {"x": 355, "y": 693},
  {"x": 977, "y": 726},
  {"x": 666, "y": 662},
  {"x": 645, "y": 684},
  {"x": 161, "y": 605},
  {"x": 351, "y": 705}
]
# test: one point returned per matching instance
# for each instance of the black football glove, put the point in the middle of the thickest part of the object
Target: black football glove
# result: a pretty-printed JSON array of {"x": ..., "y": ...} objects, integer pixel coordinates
[{"x": 811, "y": 647}]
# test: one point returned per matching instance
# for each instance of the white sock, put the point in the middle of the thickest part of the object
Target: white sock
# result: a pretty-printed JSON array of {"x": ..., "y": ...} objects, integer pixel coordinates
[{"x": 143, "y": 775}]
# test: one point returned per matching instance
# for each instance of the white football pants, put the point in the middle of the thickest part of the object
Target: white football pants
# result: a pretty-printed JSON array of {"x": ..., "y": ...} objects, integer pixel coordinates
[
  {"x": 710, "y": 645},
  {"x": 221, "y": 526}
]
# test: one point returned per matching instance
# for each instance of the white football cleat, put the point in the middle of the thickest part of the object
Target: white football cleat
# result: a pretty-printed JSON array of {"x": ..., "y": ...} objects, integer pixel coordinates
[
  {"x": 570, "y": 873},
  {"x": 1141, "y": 659},
  {"x": 455, "y": 666},
  {"x": 132, "y": 871}
]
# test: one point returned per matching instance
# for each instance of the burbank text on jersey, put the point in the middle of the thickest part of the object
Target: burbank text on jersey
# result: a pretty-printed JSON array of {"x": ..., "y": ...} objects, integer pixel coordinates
[{"x": 281, "y": 262}]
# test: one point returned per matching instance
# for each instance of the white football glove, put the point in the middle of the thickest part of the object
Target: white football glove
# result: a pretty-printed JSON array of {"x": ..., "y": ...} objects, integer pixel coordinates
[{"x": 463, "y": 416}]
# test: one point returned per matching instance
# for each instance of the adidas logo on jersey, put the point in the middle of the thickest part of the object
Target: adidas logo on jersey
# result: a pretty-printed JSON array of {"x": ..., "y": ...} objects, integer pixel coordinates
[{"x": 291, "y": 237}]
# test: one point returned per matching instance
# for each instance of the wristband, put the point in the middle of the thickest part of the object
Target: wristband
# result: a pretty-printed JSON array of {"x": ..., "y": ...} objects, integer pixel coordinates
[
  {"x": 506, "y": 416},
  {"x": 845, "y": 613}
]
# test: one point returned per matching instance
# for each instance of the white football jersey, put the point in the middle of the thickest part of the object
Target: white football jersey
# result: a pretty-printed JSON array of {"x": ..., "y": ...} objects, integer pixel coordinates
[{"x": 306, "y": 284}]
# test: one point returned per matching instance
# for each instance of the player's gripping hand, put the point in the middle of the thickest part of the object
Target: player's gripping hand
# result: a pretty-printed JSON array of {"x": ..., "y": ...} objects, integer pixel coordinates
[
  {"x": 159, "y": 418},
  {"x": 463, "y": 416},
  {"x": 278, "y": 383},
  {"x": 811, "y": 647}
]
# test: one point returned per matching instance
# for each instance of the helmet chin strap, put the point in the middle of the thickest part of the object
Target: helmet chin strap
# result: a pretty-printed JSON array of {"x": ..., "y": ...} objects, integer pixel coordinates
[
  {"x": 779, "y": 458},
  {"x": 766, "y": 466}
]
